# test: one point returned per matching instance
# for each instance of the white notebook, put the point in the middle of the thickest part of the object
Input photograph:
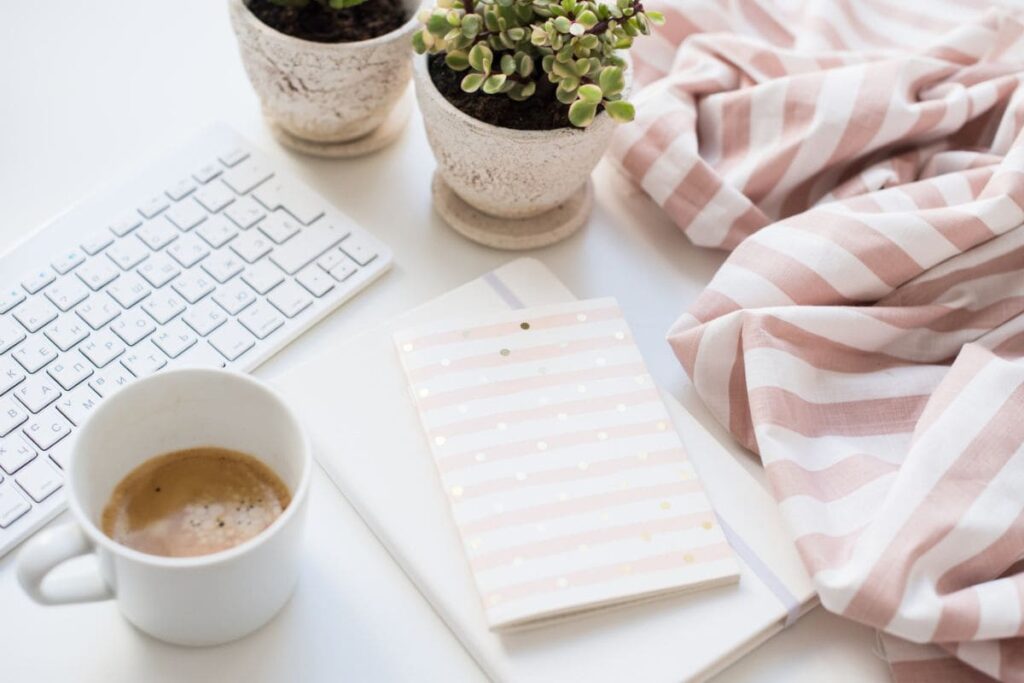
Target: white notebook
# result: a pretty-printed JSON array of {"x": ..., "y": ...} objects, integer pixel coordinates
[
  {"x": 368, "y": 438},
  {"x": 566, "y": 481}
]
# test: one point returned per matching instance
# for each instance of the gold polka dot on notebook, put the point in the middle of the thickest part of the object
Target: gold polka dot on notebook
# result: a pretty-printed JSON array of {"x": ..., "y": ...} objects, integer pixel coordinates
[
  {"x": 524, "y": 326},
  {"x": 505, "y": 352},
  {"x": 620, "y": 335},
  {"x": 563, "y": 496},
  {"x": 687, "y": 558},
  {"x": 662, "y": 426},
  {"x": 440, "y": 440},
  {"x": 665, "y": 505},
  {"x": 457, "y": 491},
  {"x": 626, "y": 569},
  {"x": 646, "y": 536},
  {"x": 407, "y": 347},
  {"x": 582, "y": 317},
  {"x": 641, "y": 456},
  {"x": 602, "y": 436},
  {"x": 562, "y": 582},
  {"x": 707, "y": 525},
  {"x": 542, "y": 445}
]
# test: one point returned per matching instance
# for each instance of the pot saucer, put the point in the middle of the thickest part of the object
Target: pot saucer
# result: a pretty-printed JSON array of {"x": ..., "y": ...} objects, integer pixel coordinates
[
  {"x": 511, "y": 233},
  {"x": 379, "y": 138}
]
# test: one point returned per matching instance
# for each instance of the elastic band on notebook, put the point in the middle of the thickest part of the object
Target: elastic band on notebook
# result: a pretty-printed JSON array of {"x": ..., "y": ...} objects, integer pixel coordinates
[
  {"x": 763, "y": 571},
  {"x": 502, "y": 290}
]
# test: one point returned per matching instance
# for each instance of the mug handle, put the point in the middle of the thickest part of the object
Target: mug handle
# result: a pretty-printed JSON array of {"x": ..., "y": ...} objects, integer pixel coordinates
[{"x": 44, "y": 553}]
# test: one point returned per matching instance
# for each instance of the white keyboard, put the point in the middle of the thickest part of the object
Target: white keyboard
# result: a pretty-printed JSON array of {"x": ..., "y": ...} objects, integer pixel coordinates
[{"x": 210, "y": 258}]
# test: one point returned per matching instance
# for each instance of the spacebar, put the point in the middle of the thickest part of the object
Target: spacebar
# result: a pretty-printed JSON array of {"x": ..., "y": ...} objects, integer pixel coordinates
[{"x": 305, "y": 247}]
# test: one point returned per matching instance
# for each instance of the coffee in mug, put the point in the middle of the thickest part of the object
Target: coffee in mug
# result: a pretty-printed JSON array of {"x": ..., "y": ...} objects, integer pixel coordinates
[{"x": 194, "y": 502}]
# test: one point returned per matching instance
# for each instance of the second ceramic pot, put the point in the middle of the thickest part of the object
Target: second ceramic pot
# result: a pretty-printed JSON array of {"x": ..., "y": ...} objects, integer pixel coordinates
[
  {"x": 325, "y": 92},
  {"x": 505, "y": 172}
]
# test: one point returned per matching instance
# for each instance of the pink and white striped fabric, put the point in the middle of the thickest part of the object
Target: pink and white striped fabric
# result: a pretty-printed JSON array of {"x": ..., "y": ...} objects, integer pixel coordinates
[{"x": 864, "y": 161}]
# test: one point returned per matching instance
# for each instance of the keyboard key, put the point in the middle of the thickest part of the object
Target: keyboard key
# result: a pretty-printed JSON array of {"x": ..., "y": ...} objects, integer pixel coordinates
[
  {"x": 263, "y": 276},
  {"x": 133, "y": 326},
  {"x": 175, "y": 338},
  {"x": 35, "y": 313},
  {"x": 163, "y": 306},
  {"x": 215, "y": 196},
  {"x": 233, "y": 156},
  {"x": 290, "y": 299},
  {"x": 261, "y": 319},
  {"x": 232, "y": 340},
  {"x": 251, "y": 246},
  {"x": 67, "y": 293},
  {"x": 77, "y": 405},
  {"x": 10, "y": 375},
  {"x": 344, "y": 270},
  {"x": 234, "y": 296},
  {"x": 186, "y": 215},
  {"x": 37, "y": 279},
  {"x": 47, "y": 428},
  {"x": 39, "y": 479},
  {"x": 66, "y": 331},
  {"x": 144, "y": 361},
  {"x": 279, "y": 227},
  {"x": 102, "y": 348},
  {"x": 98, "y": 310},
  {"x": 124, "y": 224},
  {"x": 359, "y": 250},
  {"x": 34, "y": 353},
  {"x": 181, "y": 189},
  {"x": 60, "y": 454},
  {"x": 204, "y": 317},
  {"x": 217, "y": 231},
  {"x": 9, "y": 298},
  {"x": 128, "y": 253},
  {"x": 246, "y": 176},
  {"x": 307, "y": 246},
  {"x": 67, "y": 261},
  {"x": 15, "y": 453},
  {"x": 37, "y": 393},
  {"x": 154, "y": 205},
  {"x": 331, "y": 259},
  {"x": 97, "y": 273},
  {"x": 245, "y": 212},
  {"x": 223, "y": 266},
  {"x": 12, "y": 504},
  {"x": 159, "y": 270},
  {"x": 97, "y": 242},
  {"x": 207, "y": 172},
  {"x": 110, "y": 379},
  {"x": 315, "y": 280},
  {"x": 69, "y": 373},
  {"x": 11, "y": 334},
  {"x": 157, "y": 234},
  {"x": 302, "y": 204},
  {"x": 12, "y": 415},
  {"x": 199, "y": 356},
  {"x": 129, "y": 290},
  {"x": 188, "y": 250},
  {"x": 194, "y": 285}
]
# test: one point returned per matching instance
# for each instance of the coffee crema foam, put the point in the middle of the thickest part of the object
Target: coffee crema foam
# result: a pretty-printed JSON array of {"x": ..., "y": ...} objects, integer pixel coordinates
[{"x": 194, "y": 502}]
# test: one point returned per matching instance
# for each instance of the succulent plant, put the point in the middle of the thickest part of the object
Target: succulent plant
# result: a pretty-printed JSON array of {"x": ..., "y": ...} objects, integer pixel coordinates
[
  {"x": 333, "y": 4},
  {"x": 506, "y": 46}
]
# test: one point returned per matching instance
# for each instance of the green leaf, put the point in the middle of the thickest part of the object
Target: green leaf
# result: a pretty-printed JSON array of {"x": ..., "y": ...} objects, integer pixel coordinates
[
  {"x": 481, "y": 58},
  {"x": 525, "y": 65},
  {"x": 438, "y": 23},
  {"x": 453, "y": 18},
  {"x": 565, "y": 95},
  {"x": 457, "y": 60},
  {"x": 472, "y": 82},
  {"x": 508, "y": 64},
  {"x": 517, "y": 33},
  {"x": 418, "y": 44},
  {"x": 582, "y": 113},
  {"x": 612, "y": 80},
  {"x": 562, "y": 24},
  {"x": 471, "y": 24},
  {"x": 590, "y": 93},
  {"x": 620, "y": 110},
  {"x": 587, "y": 18},
  {"x": 494, "y": 83},
  {"x": 657, "y": 18}
]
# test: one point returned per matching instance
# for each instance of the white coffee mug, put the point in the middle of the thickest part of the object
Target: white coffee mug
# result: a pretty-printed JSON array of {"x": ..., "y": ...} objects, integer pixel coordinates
[{"x": 202, "y": 600}]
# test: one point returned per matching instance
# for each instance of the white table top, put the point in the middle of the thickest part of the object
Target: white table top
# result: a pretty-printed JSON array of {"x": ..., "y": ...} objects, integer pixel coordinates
[{"x": 91, "y": 90}]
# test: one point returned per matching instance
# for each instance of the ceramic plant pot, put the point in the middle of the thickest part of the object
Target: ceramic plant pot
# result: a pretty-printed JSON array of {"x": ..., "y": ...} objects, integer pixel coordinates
[
  {"x": 329, "y": 99},
  {"x": 507, "y": 188}
]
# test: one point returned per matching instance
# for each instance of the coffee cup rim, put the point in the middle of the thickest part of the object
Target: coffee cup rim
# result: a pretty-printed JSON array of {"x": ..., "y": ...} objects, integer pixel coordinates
[{"x": 96, "y": 534}]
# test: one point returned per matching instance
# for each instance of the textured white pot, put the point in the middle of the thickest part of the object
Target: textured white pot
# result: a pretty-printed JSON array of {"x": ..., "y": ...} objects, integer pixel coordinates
[
  {"x": 325, "y": 92},
  {"x": 505, "y": 172}
]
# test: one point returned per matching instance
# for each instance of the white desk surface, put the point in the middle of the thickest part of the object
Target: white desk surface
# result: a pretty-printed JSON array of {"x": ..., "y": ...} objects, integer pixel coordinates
[{"x": 89, "y": 90}]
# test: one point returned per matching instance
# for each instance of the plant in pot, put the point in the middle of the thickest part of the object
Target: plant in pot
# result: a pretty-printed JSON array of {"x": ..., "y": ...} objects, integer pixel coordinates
[
  {"x": 331, "y": 75},
  {"x": 519, "y": 99}
]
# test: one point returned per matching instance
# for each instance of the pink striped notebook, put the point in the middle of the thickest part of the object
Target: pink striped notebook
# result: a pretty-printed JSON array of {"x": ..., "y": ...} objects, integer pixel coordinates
[{"x": 569, "y": 487}]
